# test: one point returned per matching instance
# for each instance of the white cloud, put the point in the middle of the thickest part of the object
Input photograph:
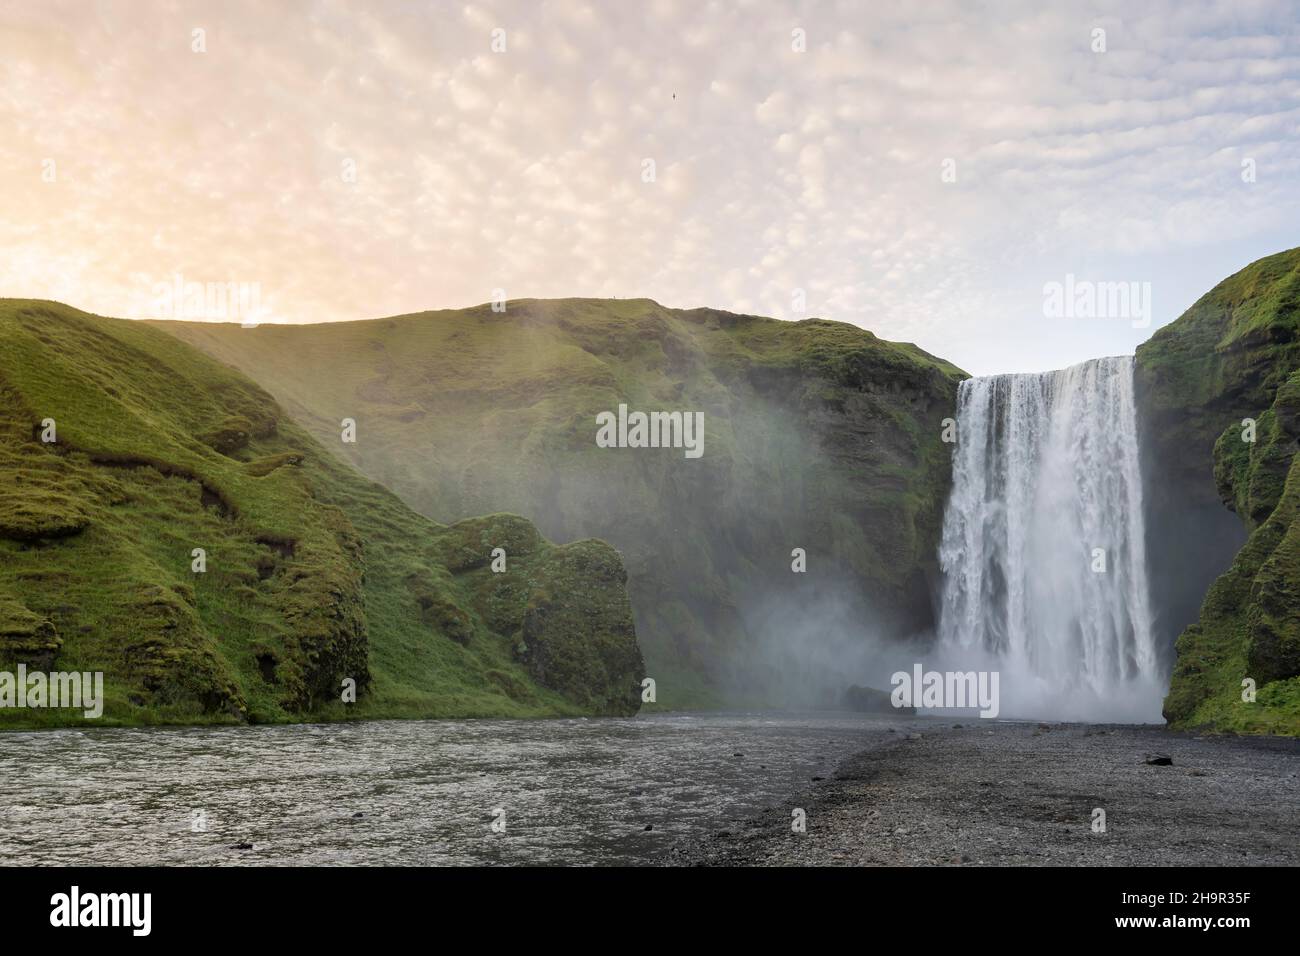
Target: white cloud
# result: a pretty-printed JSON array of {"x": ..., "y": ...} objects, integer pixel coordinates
[{"x": 775, "y": 169}]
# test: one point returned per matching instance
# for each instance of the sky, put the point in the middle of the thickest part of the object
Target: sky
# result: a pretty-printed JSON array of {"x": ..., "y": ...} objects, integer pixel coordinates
[{"x": 934, "y": 172}]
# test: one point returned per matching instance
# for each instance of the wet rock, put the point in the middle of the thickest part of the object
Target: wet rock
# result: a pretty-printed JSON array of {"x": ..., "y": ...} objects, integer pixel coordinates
[{"x": 869, "y": 700}]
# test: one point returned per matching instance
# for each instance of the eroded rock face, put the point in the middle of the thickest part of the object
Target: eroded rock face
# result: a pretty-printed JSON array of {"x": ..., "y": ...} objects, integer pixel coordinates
[
  {"x": 1262, "y": 481},
  {"x": 217, "y": 564},
  {"x": 577, "y": 632},
  {"x": 564, "y": 609},
  {"x": 1219, "y": 400},
  {"x": 26, "y": 638},
  {"x": 817, "y": 436}
]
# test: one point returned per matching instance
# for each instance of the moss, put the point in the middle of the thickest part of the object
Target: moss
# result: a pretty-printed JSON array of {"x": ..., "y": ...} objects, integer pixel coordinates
[
  {"x": 1236, "y": 355},
  {"x": 231, "y": 435},
  {"x": 443, "y": 616},
  {"x": 262, "y": 467},
  {"x": 26, "y": 637},
  {"x": 307, "y": 565},
  {"x": 27, "y": 514},
  {"x": 576, "y": 631},
  {"x": 817, "y": 434},
  {"x": 471, "y": 543}
]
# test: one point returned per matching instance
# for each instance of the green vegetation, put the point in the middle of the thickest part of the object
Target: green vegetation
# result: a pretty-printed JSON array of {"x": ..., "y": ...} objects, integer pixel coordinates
[
  {"x": 817, "y": 435},
  {"x": 1235, "y": 355},
  {"x": 313, "y": 574}
]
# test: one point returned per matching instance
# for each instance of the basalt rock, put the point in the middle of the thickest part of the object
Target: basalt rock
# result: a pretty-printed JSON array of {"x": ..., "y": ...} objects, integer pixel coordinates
[
  {"x": 1219, "y": 397},
  {"x": 869, "y": 700}
]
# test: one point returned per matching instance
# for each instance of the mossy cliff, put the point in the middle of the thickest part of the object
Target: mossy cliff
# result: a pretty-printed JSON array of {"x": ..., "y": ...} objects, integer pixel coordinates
[
  {"x": 123, "y": 450},
  {"x": 817, "y": 435},
  {"x": 1219, "y": 393}
]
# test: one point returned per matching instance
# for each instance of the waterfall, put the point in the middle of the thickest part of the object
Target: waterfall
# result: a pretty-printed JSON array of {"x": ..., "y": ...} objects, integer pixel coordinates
[{"x": 1043, "y": 550}]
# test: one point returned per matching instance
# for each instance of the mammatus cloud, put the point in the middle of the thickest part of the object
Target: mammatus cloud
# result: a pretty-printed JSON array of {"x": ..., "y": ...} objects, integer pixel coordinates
[{"x": 921, "y": 170}]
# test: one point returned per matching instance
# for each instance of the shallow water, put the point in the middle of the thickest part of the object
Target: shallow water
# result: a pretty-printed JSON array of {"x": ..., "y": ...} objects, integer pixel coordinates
[{"x": 573, "y": 791}]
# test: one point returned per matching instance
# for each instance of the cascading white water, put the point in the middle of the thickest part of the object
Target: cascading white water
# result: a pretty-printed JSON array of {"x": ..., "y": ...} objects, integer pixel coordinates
[{"x": 1046, "y": 486}]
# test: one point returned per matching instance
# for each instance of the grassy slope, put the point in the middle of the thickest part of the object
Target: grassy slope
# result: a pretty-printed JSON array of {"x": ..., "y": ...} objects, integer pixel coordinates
[
  {"x": 313, "y": 573},
  {"x": 1233, "y": 355},
  {"x": 818, "y": 435}
]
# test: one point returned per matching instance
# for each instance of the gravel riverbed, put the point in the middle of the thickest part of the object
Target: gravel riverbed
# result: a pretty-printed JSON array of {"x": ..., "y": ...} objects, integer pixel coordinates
[{"x": 981, "y": 793}]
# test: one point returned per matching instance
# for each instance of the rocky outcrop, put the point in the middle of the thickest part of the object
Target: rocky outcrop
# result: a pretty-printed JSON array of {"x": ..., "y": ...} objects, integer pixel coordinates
[
  {"x": 869, "y": 700},
  {"x": 564, "y": 609},
  {"x": 1219, "y": 397},
  {"x": 821, "y": 450},
  {"x": 161, "y": 521}
]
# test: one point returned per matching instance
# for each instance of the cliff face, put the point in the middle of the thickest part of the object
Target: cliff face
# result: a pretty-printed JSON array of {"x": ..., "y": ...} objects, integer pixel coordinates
[
  {"x": 817, "y": 436},
  {"x": 1219, "y": 396},
  {"x": 163, "y": 522}
]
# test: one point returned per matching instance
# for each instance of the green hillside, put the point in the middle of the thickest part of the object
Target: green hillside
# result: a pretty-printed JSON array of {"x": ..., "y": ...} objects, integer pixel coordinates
[
  {"x": 1235, "y": 355},
  {"x": 313, "y": 574},
  {"x": 818, "y": 435}
]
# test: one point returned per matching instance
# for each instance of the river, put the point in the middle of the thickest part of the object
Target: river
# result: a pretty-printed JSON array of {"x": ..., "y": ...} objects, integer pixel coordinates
[{"x": 409, "y": 792}]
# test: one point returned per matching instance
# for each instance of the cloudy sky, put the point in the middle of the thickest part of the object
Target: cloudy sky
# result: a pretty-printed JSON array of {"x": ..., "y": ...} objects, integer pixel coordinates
[{"x": 921, "y": 169}]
